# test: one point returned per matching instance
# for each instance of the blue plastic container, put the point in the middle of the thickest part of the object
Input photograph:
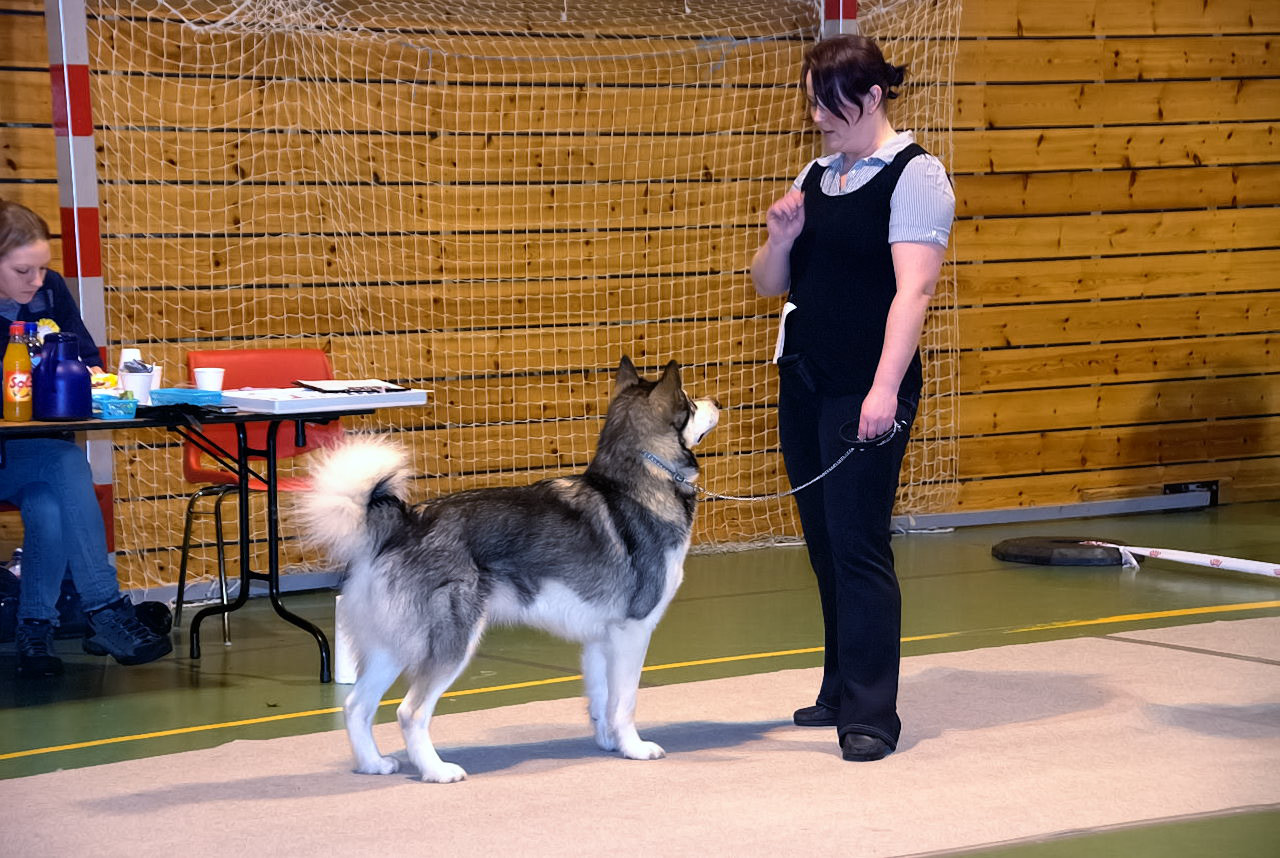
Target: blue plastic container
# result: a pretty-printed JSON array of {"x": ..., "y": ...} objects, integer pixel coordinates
[
  {"x": 62, "y": 386},
  {"x": 111, "y": 407}
]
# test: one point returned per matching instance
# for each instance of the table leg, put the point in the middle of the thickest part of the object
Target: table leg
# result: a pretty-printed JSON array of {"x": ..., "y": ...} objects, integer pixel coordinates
[{"x": 273, "y": 559}]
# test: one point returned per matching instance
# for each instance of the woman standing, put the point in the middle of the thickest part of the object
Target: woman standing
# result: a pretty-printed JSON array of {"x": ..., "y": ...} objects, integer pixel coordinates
[
  {"x": 857, "y": 246},
  {"x": 49, "y": 480}
]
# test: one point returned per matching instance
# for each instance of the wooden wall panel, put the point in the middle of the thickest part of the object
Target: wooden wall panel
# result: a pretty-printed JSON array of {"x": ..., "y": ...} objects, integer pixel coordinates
[
  {"x": 1055, "y": 105},
  {"x": 283, "y": 208},
  {"x": 657, "y": 59},
  {"x": 1117, "y": 311},
  {"x": 1112, "y": 406},
  {"x": 1116, "y": 59},
  {"x": 1239, "y": 480},
  {"x": 1122, "y": 146},
  {"x": 404, "y": 107},
  {"x": 499, "y": 302},
  {"x": 1032, "y": 193},
  {"x": 1122, "y": 320},
  {"x": 1199, "y": 272},
  {"x": 1059, "y": 366},
  {"x": 1029, "y": 18}
]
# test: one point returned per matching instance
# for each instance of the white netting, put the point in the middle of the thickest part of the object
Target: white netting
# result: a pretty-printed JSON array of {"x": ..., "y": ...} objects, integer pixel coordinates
[
  {"x": 923, "y": 34},
  {"x": 492, "y": 200}
]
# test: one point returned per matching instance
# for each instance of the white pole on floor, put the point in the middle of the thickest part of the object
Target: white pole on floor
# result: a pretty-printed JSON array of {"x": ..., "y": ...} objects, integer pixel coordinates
[{"x": 1235, "y": 564}]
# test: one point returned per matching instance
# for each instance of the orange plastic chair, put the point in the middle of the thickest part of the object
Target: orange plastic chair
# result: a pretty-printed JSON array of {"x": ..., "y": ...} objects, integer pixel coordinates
[{"x": 246, "y": 368}]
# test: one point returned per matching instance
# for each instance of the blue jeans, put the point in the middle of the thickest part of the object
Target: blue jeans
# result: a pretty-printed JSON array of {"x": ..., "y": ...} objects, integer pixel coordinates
[
  {"x": 846, "y": 519},
  {"x": 50, "y": 481}
]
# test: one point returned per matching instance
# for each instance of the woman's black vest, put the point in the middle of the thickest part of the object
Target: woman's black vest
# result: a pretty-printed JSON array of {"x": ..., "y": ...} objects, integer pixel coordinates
[{"x": 842, "y": 282}]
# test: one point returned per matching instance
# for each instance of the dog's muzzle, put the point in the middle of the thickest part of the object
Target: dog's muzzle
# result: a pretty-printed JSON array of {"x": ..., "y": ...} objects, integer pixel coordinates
[{"x": 706, "y": 414}]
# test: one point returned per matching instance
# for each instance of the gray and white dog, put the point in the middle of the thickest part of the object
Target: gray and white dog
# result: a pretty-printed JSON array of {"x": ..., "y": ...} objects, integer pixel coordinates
[{"x": 594, "y": 557}]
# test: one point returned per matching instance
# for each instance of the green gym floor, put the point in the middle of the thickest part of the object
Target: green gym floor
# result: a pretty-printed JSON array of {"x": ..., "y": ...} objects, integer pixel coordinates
[{"x": 737, "y": 614}]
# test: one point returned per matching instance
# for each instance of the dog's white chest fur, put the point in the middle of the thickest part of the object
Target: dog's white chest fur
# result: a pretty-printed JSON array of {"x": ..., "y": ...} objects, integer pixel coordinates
[{"x": 556, "y": 608}]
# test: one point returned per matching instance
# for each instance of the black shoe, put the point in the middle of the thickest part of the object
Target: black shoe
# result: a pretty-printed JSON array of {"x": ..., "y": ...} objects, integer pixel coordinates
[
  {"x": 861, "y": 748},
  {"x": 35, "y": 649},
  {"x": 815, "y": 716},
  {"x": 116, "y": 631}
]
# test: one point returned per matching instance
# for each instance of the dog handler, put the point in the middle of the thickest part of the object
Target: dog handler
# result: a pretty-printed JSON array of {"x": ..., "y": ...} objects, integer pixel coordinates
[
  {"x": 49, "y": 480},
  {"x": 857, "y": 246}
]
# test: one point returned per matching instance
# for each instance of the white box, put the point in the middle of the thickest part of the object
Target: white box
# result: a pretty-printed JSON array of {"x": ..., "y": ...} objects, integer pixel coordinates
[{"x": 292, "y": 400}]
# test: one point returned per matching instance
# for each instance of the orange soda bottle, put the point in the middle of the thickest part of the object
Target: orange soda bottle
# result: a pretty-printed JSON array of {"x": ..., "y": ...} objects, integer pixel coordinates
[{"x": 17, "y": 375}]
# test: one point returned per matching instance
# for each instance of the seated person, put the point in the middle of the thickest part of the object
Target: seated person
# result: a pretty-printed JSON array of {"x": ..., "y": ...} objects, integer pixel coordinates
[{"x": 49, "y": 480}]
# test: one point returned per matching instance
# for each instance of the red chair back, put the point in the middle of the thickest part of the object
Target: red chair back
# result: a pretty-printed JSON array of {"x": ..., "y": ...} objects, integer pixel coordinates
[{"x": 258, "y": 368}]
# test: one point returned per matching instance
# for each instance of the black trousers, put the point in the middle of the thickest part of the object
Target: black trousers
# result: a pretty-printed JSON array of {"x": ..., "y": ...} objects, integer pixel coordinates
[{"x": 846, "y": 519}]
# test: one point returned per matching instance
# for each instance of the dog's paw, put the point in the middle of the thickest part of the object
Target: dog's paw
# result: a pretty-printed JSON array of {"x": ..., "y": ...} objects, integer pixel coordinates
[
  {"x": 379, "y": 766},
  {"x": 444, "y": 773},
  {"x": 605, "y": 738},
  {"x": 641, "y": 750}
]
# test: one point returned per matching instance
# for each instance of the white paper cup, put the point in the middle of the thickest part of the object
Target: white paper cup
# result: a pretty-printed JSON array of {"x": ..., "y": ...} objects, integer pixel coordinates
[
  {"x": 139, "y": 384},
  {"x": 209, "y": 377}
]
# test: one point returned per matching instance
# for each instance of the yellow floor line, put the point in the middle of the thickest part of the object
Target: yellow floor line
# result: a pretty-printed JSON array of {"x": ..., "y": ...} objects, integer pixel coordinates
[
  {"x": 1151, "y": 615},
  {"x": 557, "y": 680}
]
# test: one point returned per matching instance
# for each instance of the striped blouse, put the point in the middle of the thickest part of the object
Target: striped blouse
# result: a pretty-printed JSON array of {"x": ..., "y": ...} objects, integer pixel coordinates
[{"x": 923, "y": 204}]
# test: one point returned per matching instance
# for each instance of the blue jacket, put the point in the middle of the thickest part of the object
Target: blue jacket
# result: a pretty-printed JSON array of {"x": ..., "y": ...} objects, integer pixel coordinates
[{"x": 53, "y": 301}]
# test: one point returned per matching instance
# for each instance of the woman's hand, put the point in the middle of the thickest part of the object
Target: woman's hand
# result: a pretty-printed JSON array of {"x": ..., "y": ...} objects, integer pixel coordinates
[
  {"x": 770, "y": 267},
  {"x": 878, "y": 412},
  {"x": 785, "y": 218}
]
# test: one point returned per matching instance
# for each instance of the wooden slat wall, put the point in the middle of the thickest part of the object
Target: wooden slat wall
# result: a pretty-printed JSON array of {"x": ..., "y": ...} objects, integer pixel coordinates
[
  {"x": 1117, "y": 164},
  {"x": 1116, "y": 169}
]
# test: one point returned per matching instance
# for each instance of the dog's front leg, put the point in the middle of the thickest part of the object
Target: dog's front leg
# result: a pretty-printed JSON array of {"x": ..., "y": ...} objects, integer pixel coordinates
[
  {"x": 595, "y": 680},
  {"x": 628, "y": 642}
]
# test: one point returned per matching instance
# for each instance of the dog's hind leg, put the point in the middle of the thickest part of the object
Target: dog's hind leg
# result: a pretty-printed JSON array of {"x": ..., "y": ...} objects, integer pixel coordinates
[
  {"x": 627, "y": 644},
  {"x": 429, "y": 681},
  {"x": 595, "y": 680},
  {"x": 378, "y": 669}
]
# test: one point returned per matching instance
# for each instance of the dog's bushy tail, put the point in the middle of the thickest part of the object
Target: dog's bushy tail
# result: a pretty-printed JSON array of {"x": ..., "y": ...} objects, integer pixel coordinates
[{"x": 348, "y": 483}]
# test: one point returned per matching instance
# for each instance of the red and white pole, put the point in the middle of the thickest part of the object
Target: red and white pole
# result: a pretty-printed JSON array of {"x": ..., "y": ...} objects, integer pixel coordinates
[
  {"x": 66, "y": 27},
  {"x": 839, "y": 16}
]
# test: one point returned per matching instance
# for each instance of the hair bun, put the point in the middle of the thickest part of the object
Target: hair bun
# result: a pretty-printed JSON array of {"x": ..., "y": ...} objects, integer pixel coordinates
[{"x": 893, "y": 76}]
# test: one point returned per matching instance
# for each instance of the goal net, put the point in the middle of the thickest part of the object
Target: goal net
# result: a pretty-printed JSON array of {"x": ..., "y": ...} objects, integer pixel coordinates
[{"x": 494, "y": 201}]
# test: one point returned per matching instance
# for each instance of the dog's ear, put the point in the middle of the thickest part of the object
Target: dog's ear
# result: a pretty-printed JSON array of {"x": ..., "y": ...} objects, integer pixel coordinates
[
  {"x": 626, "y": 375},
  {"x": 669, "y": 385}
]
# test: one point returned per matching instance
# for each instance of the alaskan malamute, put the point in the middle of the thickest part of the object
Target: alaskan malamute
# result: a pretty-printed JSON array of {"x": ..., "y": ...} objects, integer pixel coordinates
[{"x": 594, "y": 557}]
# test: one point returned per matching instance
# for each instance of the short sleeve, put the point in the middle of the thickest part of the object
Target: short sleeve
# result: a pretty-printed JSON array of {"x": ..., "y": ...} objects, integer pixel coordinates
[{"x": 923, "y": 205}]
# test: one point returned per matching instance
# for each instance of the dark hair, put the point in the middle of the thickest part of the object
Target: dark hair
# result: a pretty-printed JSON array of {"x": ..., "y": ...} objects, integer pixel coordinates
[
  {"x": 19, "y": 226},
  {"x": 844, "y": 68}
]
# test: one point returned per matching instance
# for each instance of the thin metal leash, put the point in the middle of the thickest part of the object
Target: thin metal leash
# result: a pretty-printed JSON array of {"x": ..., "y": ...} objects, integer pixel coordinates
[{"x": 878, "y": 441}]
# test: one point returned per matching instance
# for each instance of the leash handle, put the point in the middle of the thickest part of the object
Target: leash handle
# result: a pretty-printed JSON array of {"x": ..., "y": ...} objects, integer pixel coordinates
[{"x": 858, "y": 447}]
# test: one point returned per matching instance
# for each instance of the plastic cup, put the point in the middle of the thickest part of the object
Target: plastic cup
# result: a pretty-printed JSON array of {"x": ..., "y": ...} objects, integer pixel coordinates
[
  {"x": 139, "y": 384},
  {"x": 209, "y": 378}
]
